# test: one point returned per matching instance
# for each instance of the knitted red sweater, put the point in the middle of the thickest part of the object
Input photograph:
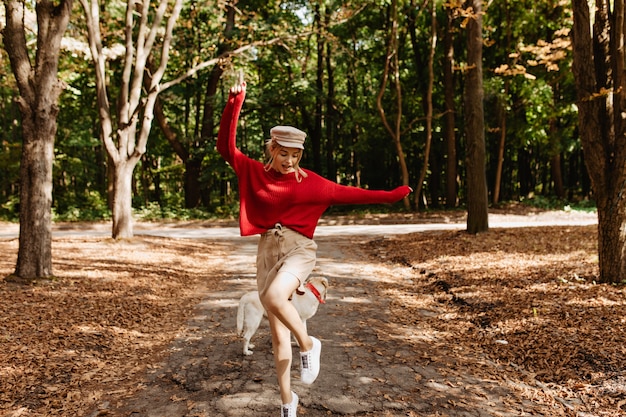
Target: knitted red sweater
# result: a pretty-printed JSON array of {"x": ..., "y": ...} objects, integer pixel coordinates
[{"x": 269, "y": 197}]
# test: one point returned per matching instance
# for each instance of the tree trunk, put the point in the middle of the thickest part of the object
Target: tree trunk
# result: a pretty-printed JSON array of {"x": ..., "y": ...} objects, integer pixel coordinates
[
  {"x": 435, "y": 177},
  {"x": 110, "y": 174},
  {"x": 331, "y": 119},
  {"x": 477, "y": 199},
  {"x": 429, "y": 105},
  {"x": 501, "y": 102},
  {"x": 316, "y": 135},
  {"x": 612, "y": 242},
  {"x": 501, "y": 144},
  {"x": 600, "y": 80},
  {"x": 39, "y": 89},
  {"x": 193, "y": 189},
  {"x": 34, "y": 258},
  {"x": 557, "y": 175},
  {"x": 524, "y": 172},
  {"x": 122, "y": 201},
  {"x": 355, "y": 165},
  {"x": 449, "y": 122}
]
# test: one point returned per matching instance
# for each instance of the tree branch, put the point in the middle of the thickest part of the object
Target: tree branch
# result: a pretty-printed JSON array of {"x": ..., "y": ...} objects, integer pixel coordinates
[{"x": 224, "y": 57}]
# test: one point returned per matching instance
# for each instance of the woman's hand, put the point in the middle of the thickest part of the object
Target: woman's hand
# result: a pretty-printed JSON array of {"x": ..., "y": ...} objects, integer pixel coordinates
[
  {"x": 404, "y": 190},
  {"x": 240, "y": 86}
]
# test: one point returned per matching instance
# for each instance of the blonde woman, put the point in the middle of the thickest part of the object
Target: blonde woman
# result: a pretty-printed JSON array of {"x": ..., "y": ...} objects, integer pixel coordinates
[{"x": 283, "y": 203}]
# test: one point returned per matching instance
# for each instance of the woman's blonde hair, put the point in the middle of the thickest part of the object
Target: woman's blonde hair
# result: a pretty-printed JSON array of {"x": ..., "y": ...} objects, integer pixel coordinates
[{"x": 271, "y": 149}]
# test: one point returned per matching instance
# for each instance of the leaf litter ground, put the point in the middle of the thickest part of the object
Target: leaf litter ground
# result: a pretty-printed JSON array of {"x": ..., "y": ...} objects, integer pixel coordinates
[
  {"x": 516, "y": 307},
  {"x": 526, "y": 302}
]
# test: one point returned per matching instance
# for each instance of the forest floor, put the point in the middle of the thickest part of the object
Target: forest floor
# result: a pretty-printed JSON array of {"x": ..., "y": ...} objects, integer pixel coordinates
[{"x": 438, "y": 323}]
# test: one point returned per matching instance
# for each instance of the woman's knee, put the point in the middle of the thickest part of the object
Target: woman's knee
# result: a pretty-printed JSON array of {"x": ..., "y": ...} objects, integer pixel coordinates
[
  {"x": 272, "y": 300},
  {"x": 277, "y": 294}
]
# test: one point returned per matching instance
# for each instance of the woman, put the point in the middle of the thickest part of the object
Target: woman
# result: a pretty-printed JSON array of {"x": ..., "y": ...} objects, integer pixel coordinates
[{"x": 283, "y": 203}]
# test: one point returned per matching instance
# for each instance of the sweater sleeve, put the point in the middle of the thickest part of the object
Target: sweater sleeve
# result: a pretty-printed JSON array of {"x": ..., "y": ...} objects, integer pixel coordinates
[
  {"x": 226, "y": 137},
  {"x": 342, "y": 194}
]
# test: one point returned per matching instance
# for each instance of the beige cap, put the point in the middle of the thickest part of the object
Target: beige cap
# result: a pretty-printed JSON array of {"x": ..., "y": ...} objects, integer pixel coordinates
[{"x": 288, "y": 136}]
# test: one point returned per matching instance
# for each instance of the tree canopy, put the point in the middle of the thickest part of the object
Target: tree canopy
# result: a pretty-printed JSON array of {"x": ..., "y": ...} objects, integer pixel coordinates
[{"x": 320, "y": 66}]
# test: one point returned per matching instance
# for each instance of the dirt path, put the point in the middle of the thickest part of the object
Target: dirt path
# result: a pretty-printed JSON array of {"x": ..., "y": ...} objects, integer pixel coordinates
[{"x": 371, "y": 366}]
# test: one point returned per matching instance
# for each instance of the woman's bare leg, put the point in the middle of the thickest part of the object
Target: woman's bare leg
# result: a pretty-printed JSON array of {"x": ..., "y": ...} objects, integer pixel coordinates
[
  {"x": 275, "y": 299},
  {"x": 281, "y": 343}
]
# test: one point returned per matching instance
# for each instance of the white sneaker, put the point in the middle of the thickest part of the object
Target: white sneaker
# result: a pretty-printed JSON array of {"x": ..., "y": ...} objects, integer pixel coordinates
[
  {"x": 310, "y": 363},
  {"x": 289, "y": 410}
]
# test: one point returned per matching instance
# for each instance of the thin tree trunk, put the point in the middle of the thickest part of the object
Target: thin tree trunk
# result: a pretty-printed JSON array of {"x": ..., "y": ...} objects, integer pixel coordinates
[
  {"x": 331, "y": 113},
  {"x": 477, "y": 199},
  {"x": 449, "y": 120},
  {"x": 502, "y": 114},
  {"x": 555, "y": 160},
  {"x": 352, "y": 85},
  {"x": 110, "y": 175},
  {"x": 524, "y": 172},
  {"x": 316, "y": 135},
  {"x": 434, "y": 178},
  {"x": 429, "y": 105},
  {"x": 169, "y": 133},
  {"x": 500, "y": 162},
  {"x": 557, "y": 175}
]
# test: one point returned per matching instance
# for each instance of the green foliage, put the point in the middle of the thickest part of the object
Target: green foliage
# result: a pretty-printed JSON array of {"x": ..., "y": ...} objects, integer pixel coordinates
[
  {"x": 89, "y": 206},
  {"x": 9, "y": 209},
  {"x": 10, "y": 143},
  {"x": 553, "y": 203},
  {"x": 154, "y": 212},
  {"x": 527, "y": 77}
]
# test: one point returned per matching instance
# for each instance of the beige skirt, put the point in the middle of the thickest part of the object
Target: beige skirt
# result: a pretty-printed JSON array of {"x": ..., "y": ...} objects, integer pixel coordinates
[{"x": 282, "y": 249}]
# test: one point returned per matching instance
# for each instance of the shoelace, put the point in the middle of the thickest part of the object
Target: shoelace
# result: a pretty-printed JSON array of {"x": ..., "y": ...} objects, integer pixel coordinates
[{"x": 305, "y": 360}]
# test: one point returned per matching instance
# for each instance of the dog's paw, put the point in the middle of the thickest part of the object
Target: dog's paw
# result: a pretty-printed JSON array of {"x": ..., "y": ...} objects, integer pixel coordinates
[
  {"x": 247, "y": 352},
  {"x": 251, "y": 345}
]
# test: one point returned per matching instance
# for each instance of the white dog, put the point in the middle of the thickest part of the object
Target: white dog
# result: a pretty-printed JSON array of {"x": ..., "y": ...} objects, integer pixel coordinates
[{"x": 251, "y": 311}]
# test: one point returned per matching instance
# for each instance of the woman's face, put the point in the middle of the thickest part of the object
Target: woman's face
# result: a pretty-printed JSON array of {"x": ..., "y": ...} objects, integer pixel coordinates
[{"x": 286, "y": 159}]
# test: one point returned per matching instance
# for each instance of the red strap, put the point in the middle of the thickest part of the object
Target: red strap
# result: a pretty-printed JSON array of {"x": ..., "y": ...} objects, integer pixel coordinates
[{"x": 315, "y": 292}]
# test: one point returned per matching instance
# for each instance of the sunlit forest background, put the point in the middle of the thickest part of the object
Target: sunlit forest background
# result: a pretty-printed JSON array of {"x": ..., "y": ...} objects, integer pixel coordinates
[{"x": 320, "y": 66}]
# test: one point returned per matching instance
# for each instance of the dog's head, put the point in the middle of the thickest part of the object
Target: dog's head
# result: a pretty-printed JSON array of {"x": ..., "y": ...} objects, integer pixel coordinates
[{"x": 320, "y": 284}]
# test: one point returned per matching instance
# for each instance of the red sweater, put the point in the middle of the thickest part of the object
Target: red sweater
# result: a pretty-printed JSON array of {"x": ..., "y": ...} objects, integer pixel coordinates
[{"x": 269, "y": 197}]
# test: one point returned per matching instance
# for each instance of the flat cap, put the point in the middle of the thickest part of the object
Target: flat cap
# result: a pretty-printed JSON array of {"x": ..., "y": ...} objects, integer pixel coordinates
[{"x": 288, "y": 136}]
